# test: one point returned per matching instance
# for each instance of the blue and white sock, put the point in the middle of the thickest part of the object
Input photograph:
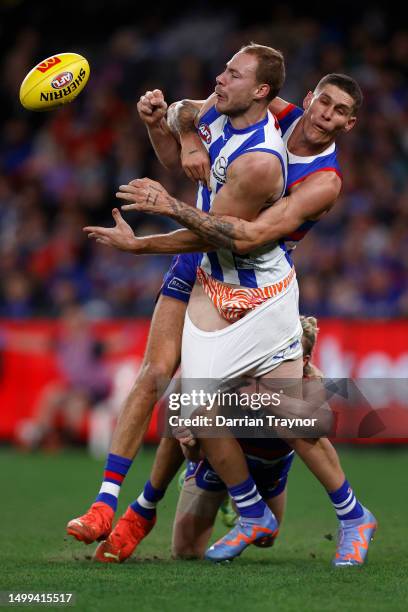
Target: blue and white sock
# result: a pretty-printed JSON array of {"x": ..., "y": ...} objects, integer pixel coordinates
[
  {"x": 116, "y": 469},
  {"x": 345, "y": 503},
  {"x": 147, "y": 501},
  {"x": 247, "y": 499}
]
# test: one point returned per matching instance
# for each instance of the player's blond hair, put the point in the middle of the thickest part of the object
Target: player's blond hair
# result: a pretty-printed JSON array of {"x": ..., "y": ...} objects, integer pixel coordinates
[{"x": 310, "y": 331}]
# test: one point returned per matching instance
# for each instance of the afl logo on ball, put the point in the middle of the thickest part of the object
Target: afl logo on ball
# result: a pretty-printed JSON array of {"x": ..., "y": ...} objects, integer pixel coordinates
[
  {"x": 61, "y": 80},
  {"x": 205, "y": 132}
]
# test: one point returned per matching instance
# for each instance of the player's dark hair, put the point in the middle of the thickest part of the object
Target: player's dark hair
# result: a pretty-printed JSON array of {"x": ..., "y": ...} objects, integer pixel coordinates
[
  {"x": 271, "y": 67},
  {"x": 345, "y": 83}
]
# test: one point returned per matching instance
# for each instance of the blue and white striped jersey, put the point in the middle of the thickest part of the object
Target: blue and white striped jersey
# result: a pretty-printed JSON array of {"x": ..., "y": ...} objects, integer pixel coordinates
[{"x": 224, "y": 143}]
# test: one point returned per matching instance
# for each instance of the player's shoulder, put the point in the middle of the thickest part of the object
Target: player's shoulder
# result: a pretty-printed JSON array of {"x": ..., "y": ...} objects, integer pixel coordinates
[
  {"x": 327, "y": 178},
  {"x": 254, "y": 165}
]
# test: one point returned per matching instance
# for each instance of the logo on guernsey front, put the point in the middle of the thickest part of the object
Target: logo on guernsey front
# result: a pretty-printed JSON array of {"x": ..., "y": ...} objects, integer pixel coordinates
[
  {"x": 220, "y": 169},
  {"x": 61, "y": 80},
  {"x": 49, "y": 63},
  {"x": 205, "y": 132}
]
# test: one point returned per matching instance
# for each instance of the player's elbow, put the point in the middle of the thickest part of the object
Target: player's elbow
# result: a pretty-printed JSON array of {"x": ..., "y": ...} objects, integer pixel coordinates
[{"x": 254, "y": 238}]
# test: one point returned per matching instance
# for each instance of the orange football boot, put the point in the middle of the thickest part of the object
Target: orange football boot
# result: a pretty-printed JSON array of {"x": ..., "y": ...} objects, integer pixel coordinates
[
  {"x": 94, "y": 525},
  {"x": 130, "y": 530}
]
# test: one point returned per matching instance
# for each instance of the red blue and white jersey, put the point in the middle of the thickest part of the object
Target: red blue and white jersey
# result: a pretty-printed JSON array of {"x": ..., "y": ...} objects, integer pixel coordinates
[
  {"x": 300, "y": 167},
  {"x": 224, "y": 143}
]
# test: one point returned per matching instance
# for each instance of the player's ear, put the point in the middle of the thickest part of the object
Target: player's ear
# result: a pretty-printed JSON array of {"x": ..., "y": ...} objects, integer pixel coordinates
[
  {"x": 308, "y": 100},
  {"x": 262, "y": 91},
  {"x": 351, "y": 122}
]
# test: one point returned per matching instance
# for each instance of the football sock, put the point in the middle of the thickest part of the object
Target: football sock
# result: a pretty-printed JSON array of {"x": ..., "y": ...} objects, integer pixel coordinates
[
  {"x": 116, "y": 469},
  {"x": 345, "y": 503},
  {"x": 147, "y": 501},
  {"x": 247, "y": 499}
]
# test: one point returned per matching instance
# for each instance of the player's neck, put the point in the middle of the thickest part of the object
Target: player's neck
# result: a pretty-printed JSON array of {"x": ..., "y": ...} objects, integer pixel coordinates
[
  {"x": 299, "y": 145},
  {"x": 249, "y": 117}
]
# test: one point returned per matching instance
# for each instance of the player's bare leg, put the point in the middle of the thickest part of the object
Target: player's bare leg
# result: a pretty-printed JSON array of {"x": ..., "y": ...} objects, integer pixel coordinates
[
  {"x": 224, "y": 455},
  {"x": 322, "y": 460},
  {"x": 161, "y": 360}
]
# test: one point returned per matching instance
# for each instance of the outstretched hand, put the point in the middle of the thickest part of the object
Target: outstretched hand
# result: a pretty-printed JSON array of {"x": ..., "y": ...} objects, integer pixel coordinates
[
  {"x": 120, "y": 236},
  {"x": 146, "y": 196}
]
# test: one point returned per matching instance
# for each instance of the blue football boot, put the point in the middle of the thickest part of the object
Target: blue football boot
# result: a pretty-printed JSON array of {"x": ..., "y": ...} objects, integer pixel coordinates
[
  {"x": 354, "y": 539},
  {"x": 246, "y": 532}
]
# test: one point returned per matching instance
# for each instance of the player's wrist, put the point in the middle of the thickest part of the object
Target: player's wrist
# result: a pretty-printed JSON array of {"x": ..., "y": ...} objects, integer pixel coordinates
[
  {"x": 190, "y": 139},
  {"x": 139, "y": 245}
]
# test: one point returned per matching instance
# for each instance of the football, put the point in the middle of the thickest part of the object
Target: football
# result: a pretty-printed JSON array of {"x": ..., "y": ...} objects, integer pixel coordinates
[{"x": 55, "y": 81}]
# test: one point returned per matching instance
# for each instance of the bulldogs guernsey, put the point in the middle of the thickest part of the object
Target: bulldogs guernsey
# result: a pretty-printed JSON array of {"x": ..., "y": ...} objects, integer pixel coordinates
[
  {"x": 299, "y": 168},
  {"x": 224, "y": 143}
]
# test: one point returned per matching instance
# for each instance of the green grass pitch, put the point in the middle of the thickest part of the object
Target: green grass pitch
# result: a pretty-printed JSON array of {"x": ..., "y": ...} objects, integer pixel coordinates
[{"x": 40, "y": 493}]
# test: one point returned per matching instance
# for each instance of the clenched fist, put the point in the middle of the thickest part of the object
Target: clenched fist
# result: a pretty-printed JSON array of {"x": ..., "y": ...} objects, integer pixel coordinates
[{"x": 152, "y": 107}]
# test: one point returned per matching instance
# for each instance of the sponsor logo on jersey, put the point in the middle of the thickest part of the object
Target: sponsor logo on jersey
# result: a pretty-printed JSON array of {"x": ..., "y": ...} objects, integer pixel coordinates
[
  {"x": 49, "y": 63},
  {"x": 220, "y": 169},
  {"x": 61, "y": 80},
  {"x": 205, "y": 132},
  {"x": 178, "y": 284}
]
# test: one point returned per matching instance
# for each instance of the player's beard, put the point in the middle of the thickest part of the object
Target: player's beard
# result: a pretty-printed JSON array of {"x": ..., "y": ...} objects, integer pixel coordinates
[{"x": 237, "y": 111}]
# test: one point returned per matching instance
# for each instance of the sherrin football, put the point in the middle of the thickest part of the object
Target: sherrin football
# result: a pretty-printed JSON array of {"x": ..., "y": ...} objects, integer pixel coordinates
[{"x": 55, "y": 81}]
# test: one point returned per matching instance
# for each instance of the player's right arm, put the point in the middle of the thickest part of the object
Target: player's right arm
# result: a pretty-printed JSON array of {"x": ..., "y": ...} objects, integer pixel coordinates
[
  {"x": 277, "y": 105},
  {"x": 183, "y": 119},
  {"x": 152, "y": 109}
]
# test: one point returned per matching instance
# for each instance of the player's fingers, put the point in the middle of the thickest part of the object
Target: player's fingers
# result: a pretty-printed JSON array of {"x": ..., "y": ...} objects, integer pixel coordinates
[
  {"x": 193, "y": 172},
  {"x": 119, "y": 220},
  {"x": 189, "y": 174},
  {"x": 207, "y": 175},
  {"x": 201, "y": 176},
  {"x": 138, "y": 183},
  {"x": 134, "y": 206},
  {"x": 91, "y": 230},
  {"x": 131, "y": 197},
  {"x": 130, "y": 187},
  {"x": 144, "y": 106},
  {"x": 104, "y": 241}
]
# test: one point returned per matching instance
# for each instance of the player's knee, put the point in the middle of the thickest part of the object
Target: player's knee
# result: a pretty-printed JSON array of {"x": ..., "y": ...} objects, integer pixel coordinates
[
  {"x": 154, "y": 376},
  {"x": 186, "y": 553},
  {"x": 156, "y": 370},
  {"x": 186, "y": 542},
  {"x": 186, "y": 550}
]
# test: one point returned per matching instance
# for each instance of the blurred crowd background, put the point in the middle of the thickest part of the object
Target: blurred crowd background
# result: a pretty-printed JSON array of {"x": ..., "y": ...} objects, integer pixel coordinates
[{"x": 59, "y": 170}]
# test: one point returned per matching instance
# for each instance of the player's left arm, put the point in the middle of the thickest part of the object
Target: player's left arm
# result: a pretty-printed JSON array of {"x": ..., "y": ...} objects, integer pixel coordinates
[
  {"x": 312, "y": 199},
  {"x": 251, "y": 180}
]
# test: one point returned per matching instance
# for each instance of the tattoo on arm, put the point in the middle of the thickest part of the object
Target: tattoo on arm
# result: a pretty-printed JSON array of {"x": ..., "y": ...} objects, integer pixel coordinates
[
  {"x": 181, "y": 117},
  {"x": 215, "y": 230}
]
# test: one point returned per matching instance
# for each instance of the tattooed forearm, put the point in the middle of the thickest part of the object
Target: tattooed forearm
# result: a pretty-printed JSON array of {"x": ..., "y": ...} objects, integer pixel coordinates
[
  {"x": 181, "y": 116},
  {"x": 216, "y": 229}
]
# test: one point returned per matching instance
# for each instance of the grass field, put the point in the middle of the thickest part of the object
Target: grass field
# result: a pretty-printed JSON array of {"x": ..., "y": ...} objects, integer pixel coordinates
[{"x": 40, "y": 493}]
